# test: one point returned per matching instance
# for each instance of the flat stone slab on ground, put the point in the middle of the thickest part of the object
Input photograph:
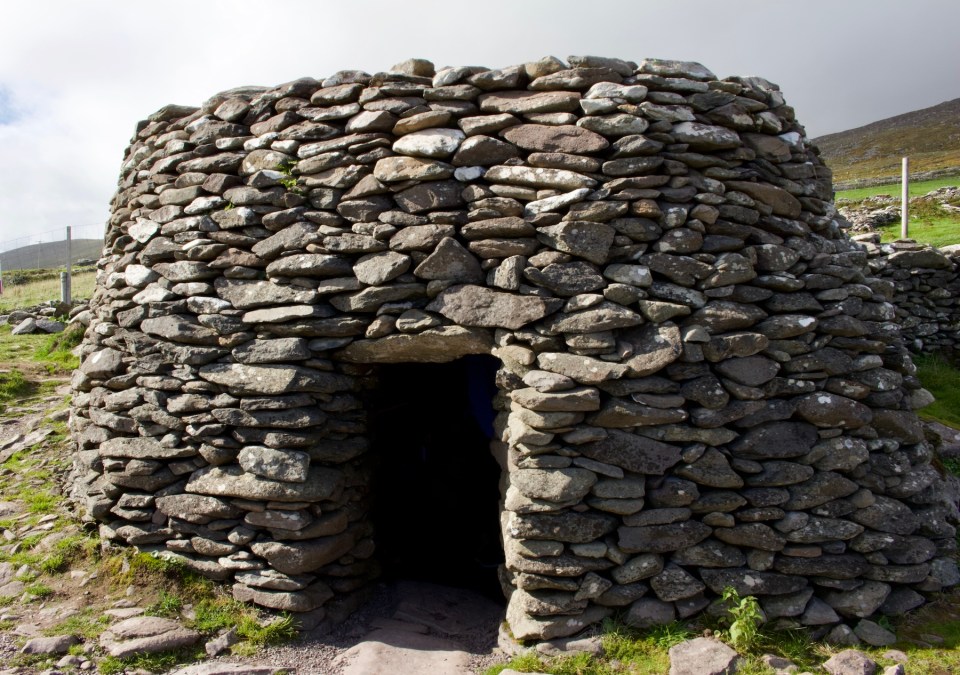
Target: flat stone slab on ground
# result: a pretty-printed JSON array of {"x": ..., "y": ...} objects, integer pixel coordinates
[
  {"x": 146, "y": 634},
  {"x": 228, "y": 669},
  {"x": 451, "y": 611},
  {"x": 702, "y": 656},
  {"x": 389, "y": 651}
]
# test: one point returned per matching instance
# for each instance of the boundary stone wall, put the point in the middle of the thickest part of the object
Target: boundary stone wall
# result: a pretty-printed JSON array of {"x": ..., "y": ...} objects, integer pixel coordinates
[
  {"x": 926, "y": 290},
  {"x": 702, "y": 383}
]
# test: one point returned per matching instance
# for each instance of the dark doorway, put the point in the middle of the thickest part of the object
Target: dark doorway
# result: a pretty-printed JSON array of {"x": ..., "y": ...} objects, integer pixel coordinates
[{"x": 435, "y": 488}]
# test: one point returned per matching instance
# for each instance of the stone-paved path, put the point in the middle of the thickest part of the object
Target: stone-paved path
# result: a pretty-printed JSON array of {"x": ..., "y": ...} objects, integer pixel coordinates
[
  {"x": 406, "y": 627},
  {"x": 426, "y": 633}
]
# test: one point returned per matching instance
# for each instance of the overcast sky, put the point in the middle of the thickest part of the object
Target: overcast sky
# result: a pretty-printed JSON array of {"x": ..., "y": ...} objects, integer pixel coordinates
[{"x": 76, "y": 76}]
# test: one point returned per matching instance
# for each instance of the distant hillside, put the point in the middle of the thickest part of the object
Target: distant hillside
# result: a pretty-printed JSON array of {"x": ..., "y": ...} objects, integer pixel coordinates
[
  {"x": 50, "y": 254},
  {"x": 929, "y": 137}
]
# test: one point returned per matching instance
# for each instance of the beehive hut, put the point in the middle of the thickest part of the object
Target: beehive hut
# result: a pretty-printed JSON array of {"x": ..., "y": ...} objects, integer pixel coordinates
[{"x": 597, "y": 319}]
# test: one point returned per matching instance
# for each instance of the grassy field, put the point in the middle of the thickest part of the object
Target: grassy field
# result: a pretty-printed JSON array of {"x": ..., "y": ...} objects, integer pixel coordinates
[
  {"x": 917, "y": 189},
  {"x": 929, "y": 224},
  {"x": 37, "y": 292}
]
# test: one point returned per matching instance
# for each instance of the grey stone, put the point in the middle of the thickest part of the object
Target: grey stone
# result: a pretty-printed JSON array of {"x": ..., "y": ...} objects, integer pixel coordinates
[
  {"x": 563, "y": 138},
  {"x": 860, "y": 602},
  {"x": 146, "y": 634},
  {"x": 295, "y": 558},
  {"x": 291, "y": 466},
  {"x": 450, "y": 262},
  {"x": 57, "y": 644},
  {"x": 703, "y": 656},
  {"x": 675, "y": 583},
  {"x": 583, "y": 369},
  {"x": 776, "y": 440},
  {"x": 231, "y": 481},
  {"x": 662, "y": 538},
  {"x": 555, "y": 485},
  {"x": 272, "y": 351},
  {"x": 375, "y": 269},
  {"x": 574, "y": 528},
  {"x": 633, "y": 452},
  {"x": 850, "y": 662},
  {"x": 142, "y": 448},
  {"x": 470, "y": 305},
  {"x": 650, "y": 612},
  {"x": 558, "y": 179},
  {"x": 874, "y": 634},
  {"x": 272, "y": 379},
  {"x": 290, "y": 601},
  {"x": 584, "y": 239}
]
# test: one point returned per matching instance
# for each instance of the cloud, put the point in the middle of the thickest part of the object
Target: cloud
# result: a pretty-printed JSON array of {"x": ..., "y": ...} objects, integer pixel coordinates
[{"x": 8, "y": 110}]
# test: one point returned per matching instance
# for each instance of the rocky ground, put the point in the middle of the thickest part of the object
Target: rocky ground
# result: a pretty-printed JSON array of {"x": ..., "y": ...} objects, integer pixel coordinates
[{"x": 869, "y": 214}]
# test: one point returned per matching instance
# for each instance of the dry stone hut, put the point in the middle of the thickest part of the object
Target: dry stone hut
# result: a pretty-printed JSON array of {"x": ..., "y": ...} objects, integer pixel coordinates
[{"x": 321, "y": 306}]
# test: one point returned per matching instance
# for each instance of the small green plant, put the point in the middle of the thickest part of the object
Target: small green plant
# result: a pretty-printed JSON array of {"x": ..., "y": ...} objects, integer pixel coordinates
[
  {"x": 154, "y": 663},
  {"x": 528, "y": 662},
  {"x": 289, "y": 181},
  {"x": 278, "y": 631},
  {"x": 168, "y": 605},
  {"x": 745, "y": 618},
  {"x": 88, "y": 625},
  {"x": 53, "y": 563},
  {"x": 669, "y": 635},
  {"x": 41, "y": 502},
  {"x": 215, "y": 614},
  {"x": 39, "y": 590}
]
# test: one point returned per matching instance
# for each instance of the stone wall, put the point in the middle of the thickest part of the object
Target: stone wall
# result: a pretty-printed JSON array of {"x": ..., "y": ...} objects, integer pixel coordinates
[
  {"x": 926, "y": 290},
  {"x": 700, "y": 383}
]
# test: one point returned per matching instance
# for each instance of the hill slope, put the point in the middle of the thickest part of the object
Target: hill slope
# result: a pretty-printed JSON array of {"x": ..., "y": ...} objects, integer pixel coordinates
[
  {"x": 49, "y": 254},
  {"x": 930, "y": 137}
]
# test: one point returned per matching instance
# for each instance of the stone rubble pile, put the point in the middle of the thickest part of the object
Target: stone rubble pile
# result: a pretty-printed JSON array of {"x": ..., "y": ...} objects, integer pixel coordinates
[
  {"x": 45, "y": 318},
  {"x": 873, "y": 212},
  {"x": 702, "y": 385}
]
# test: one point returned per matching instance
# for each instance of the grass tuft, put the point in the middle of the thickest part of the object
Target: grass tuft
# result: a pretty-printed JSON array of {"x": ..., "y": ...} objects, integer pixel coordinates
[
  {"x": 167, "y": 605},
  {"x": 942, "y": 379},
  {"x": 57, "y": 350},
  {"x": 14, "y": 386}
]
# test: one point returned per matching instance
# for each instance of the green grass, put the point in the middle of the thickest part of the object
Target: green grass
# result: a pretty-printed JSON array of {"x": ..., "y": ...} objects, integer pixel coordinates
[
  {"x": 929, "y": 223},
  {"x": 154, "y": 663},
  {"x": 14, "y": 386},
  {"x": 937, "y": 232},
  {"x": 88, "y": 625},
  {"x": 57, "y": 350},
  {"x": 942, "y": 379},
  {"x": 917, "y": 189},
  {"x": 168, "y": 605},
  {"x": 626, "y": 650},
  {"x": 39, "y": 590},
  {"x": 38, "y": 291}
]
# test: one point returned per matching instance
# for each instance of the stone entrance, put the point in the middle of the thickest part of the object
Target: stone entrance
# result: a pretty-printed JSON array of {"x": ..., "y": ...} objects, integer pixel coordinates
[
  {"x": 700, "y": 382},
  {"x": 435, "y": 480}
]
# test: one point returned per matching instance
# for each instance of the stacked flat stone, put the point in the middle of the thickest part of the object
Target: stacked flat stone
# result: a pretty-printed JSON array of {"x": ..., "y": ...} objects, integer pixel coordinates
[
  {"x": 924, "y": 289},
  {"x": 700, "y": 384}
]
